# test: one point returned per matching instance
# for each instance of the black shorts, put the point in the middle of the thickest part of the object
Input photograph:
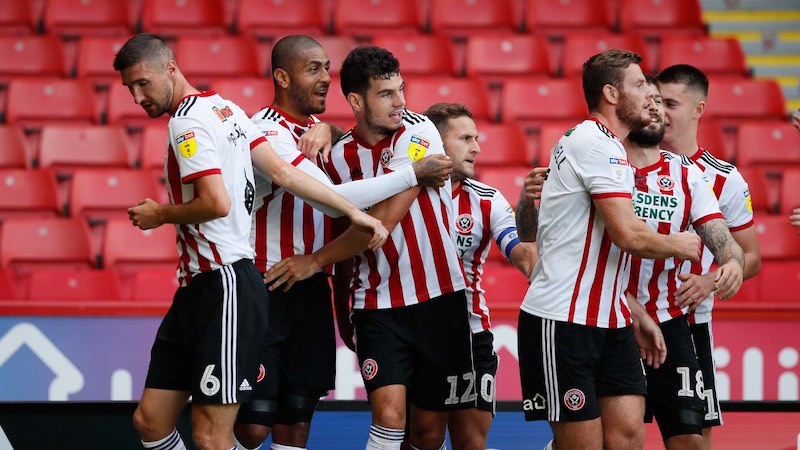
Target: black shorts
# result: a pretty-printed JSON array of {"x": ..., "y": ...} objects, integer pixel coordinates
[
  {"x": 486, "y": 361},
  {"x": 210, "y": 339},
  {"x": 704, "y": 344},
  {"x": 426, "y": 347},
  {"x": 565, "y": 368},
  {"x": 675, "y": 389}
]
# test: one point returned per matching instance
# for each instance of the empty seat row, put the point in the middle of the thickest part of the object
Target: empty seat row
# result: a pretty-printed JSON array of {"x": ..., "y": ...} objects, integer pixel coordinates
[{"x": 208, "y": 17}]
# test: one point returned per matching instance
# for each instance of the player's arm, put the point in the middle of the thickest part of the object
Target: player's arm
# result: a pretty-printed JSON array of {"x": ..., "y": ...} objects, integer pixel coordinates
[
  {"x": 318, "y": 140},
  {"x": 649, "y": 338},
  {"x": 716, "y": 236},
  {"x": 748, "y": 240},
  {"x": 527, "y": 214},
  {"x": 634, "y": 236},
  {"x": 211, "y": 201},
  {"x": 524, "y": 258},
  {"x": 794, "y": 219}
]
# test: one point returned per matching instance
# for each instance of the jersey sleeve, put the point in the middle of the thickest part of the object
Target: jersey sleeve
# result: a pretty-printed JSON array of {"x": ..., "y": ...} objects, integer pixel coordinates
[
  {"x": 735, "y": 202},
  {"x": 605, "y": 171},
  {"x": 704, "y": 204},
  {"x": 194, "y": 148},
  {"x": 250, "y": 129},
  {"x": 416, "y": 142},
  {"x": 503, "y": 226}
]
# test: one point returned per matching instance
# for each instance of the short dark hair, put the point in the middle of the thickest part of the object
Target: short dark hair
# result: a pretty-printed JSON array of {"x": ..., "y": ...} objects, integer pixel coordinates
[
  {"x": 142, "y": 47},
  {"x": 605, "y": 68},
  {"x": 364, "y": 64},
  {"x": 284, "y": 53},
  {"x": 690, "y": 76},
  {"x": 440, "y": 113}
]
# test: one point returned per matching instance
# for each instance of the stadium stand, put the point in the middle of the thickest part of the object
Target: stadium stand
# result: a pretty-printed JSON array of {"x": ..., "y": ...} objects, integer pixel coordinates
[
  {"x": 501, "y": 143},
  {"x": 96, "y": 58},
  {"x": 30, "y": 56},
  {"x": 472, "y": 17},
  {"x": 28, "y": 193},
  {"x": 777, "y": 239},
  {"x": 173, "y": 18},
  {"x": 126, "y": 248},
  {"x": 154, "y": 284},
  {"x": 543, "y": 100},
  {"x": 16, "y": 18},
  {"x": 36, "y": 101},
  {"x": 780, "y": 282},
  {"x": 367, "y": 18},
  {"x": 507, "y": 179},
  {"x": 66, "y": 147},
  {"x": 98, "y": 194},
  {"x": 734, "y": 99},
  {"x": 52, "y": 243},
  {"x": 579, "y": 47},
  {"x": 656, "y": 17},
  {"x": 74, "y": 286},
  {"x": 500, "y": 58},
  {"x": 73, "y": 18},
  {"x": 271, "y": 19},
  {"x": 421, "y": 55},
  {"x": 231, "y": 56},
  {"x": 558, "y": 17},
  {"x": 422, "y": 92},
  {"x": 769, "y": 144},
  {"x": 790, "y": 191},
  {"x": 122, "y": 109},
  {"x": 712, "y": 56},
  {"x": 763, "y": 200},
  {"x": 12, "y": 148},
  {"x": 504, "y": 285},
  {"x": 250, "y": 94}
]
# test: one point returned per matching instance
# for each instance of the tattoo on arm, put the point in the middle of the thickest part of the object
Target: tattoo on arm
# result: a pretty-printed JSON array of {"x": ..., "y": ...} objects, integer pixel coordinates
[
  {"x": 527, "y": 218},
  {"x": 718, "y": 239}
]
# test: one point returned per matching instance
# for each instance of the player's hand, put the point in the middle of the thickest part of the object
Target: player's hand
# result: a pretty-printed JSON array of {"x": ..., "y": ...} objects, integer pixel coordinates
[
  {"x": 347, "y": 332},
  {"x": 795, "y": 218},
  {"x": 796, "y": 120},
  {"x": 694, "y": 289},
  {"x": 289, "y": 271},
  {"x": 145, "y": 214},
  {"x": 687, "y": 246},
  {"x": 728, "y": 279},
  {"x": 368, "y": 224},
  {"x": 534, "y": 183},
  {"x": 648, "y": 335},
  {"x": 317, "y": 139},
  {"x": 433, "y": 171}
]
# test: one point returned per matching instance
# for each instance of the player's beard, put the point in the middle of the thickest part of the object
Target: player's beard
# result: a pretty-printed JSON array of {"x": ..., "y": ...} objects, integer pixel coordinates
[
  {"x": 629, "y": 112},
  {"x": 647, "y": 137},
  {"x": 373, "y": 124},
  {"x": 306, "y": 101},
  {"x": 163, "y": 106}
]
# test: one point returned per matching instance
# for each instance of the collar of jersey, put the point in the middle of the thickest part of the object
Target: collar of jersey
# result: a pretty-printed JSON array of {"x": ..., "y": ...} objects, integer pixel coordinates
[
  {"x": 380, "y": 145},
  {"x": 293, "y": 119},
  {"x": 199, "y": 94}
]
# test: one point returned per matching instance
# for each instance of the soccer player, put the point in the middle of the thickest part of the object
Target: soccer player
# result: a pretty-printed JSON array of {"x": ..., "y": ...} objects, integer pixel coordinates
[
  {"x": 684, "y": 90},
  {"x": 409, "y": 309},
  {"x": 579, "y": 361},
  {"x": 671, "y": 195},
  {"x": 299, "y": 350},
  {"x": 209, "y": 341},
  {"x": 481, "y": 214}
]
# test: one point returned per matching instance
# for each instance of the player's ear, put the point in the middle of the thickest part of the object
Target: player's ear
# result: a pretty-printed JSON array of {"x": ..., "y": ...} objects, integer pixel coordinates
[
  {"x": 699, "y": 109},
  {"x": 356, "y": 101},
  {"x": 281, "y": 77},
  {"x": 611, "y": 94}
]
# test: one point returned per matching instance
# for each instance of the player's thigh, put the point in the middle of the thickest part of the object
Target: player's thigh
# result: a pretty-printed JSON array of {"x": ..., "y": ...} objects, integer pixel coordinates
[
  {"x": 620, "y": 370},
  {"x": 384, "y": 353},
  {"x": 486, "y": 362},
  {"x": 704, "y": 344}
]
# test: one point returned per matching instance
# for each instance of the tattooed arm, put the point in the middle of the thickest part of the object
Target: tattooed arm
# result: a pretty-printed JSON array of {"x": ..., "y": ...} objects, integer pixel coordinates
[{"x": 527, "y": 213}]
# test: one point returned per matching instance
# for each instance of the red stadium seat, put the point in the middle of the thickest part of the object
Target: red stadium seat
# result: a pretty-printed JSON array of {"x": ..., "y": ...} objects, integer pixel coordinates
[
  {"x": 507, "y": 179},
  {"x": 15, "y": 18},
  {"x": 544, "y": 99},
  {"x": 760, "y": 196},
  {"x": 154, "y": 284},
  {"x": 82, "y": 17},
  {"x": 337, "y": 108},
  {"x": 127, "y": 247},
  {"x": 776, "y": 237},
  {"x": 8, "y": 288},
  {"x": 790, "y": 191},
  {"x": 553, "y": 16},
  {"x": 12, "y": 148},
  {"x": 420, "y": 55},
  {"x": 780, "y": 281},
  {"x": 55, "y": 242},
  {"x": 712, "y": 56},
  {"x": 76, "y": 286},
  {"x": 549, "y": 134},
  {"x": 122, "y": 109},
  {"x": 209, "y": 57},
  {"x": 30, "y": 56},
  {"x": 32, "y": 102},
  {"x": 269, "y": 19},
  {"x": 470, "y": 17},
  {"x": 371, "y": 17},
  {"x": 501, "y": 144},
  {"x": 154, "y": 147},
  {"x": 28, "y": 193},
  {"x": 580, "y": 47},
  {"x": 422, "y": 92},
  {"x": 250, "y": 94},
  {"x": 711, "y": 137},
  {"x": 337, "y": 48},
  {"x": 175, "y": 18},
  {"x": 66, "y": 147},
  {"x": 96, "y": 59},
  {"x": 99, "y": 194},
  {"x": 775, "y": 144},
  {"x": 651, "y": 16},
  {"x": 499, "y": 57},
  {"x": 504, "y": 284},
  {"x": 743, "y": 98}
]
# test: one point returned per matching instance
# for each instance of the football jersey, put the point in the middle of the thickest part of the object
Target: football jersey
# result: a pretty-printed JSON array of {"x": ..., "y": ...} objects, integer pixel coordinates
[
  {"x": 284, "y": 225},
  {"x": 670, "y": 196},
  {"x": 580, "y": 276},
  {"x": 482, "y": 214},
  {"x": 419, "y": 259},
  {"x": 210, "y": 135},
  {"x": 734, "y": 202}
]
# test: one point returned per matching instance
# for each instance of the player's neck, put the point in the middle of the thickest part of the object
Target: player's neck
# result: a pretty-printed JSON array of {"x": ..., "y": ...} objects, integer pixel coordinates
[
  {"x": 455, "y": 184},
  {"x": 685, "y": 143},
  {"x": 181, "y": 90},
  {"x": 610, "y": 121},
  {"x": 368, "y": 135},
  {"x": 287, "y": 107},
  {"x": 639, "y": 156}
]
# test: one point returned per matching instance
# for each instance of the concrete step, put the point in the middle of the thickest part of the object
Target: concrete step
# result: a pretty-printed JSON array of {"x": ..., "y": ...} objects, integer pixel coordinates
[
  {"x": 748, "y": 5},
  {"x": 763, "y": 21}
]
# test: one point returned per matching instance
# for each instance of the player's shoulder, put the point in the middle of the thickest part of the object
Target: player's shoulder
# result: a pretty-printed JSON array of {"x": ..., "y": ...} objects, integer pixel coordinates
[
  {"x": 207, "y": 108},
  {"x": 676, "y": 158},
  {"x": 346, "y": 138},
  {"x": 589, "y": 132},
  {"x": 482, "y": 190},
  {"x": 717, "y": 165},
  {"x": 414, "y": 123}
]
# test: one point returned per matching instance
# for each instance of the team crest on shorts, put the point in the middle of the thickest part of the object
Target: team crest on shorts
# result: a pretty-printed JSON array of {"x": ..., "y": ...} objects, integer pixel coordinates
[
  {"x": 574, "y": 399},
  {"x": 369, "y": 369},
  {"x": 665, "y": 182},
  {"x": 464, "y": 223},
  {"x": 262, "y": 372},
  {"x": 386, "y": 157}
]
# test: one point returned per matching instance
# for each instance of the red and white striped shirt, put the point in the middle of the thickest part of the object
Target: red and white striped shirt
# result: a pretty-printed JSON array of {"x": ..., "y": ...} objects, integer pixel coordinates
[
  {"x": 671, "y": 195},
  {"x": 482, "y": 214},
  {"x": 734, "y": 202},
  {"x": 210, "y": 135},
  {"x": 580, "y": 275},
  {"x": 419, "y": 259},
  {"x": 284, "y": 225}
]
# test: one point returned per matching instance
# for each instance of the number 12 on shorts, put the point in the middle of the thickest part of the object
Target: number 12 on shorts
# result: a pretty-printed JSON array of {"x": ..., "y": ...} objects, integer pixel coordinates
[{"x": 469, "y": 394}]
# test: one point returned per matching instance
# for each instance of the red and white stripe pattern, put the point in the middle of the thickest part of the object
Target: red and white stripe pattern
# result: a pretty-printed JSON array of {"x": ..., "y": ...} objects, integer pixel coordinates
[
  {"x": 229, "y": 345},
  {"x": 671, "y": 195},
  {"x": 203, "y": 141},
  {"x": 588, "y": 163},
  {"x": 482, "y": 214},
  {"x": 419, "y": 260},
  {"x": 734, "y": 202},
  {"x": 284, "y": 225}
]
